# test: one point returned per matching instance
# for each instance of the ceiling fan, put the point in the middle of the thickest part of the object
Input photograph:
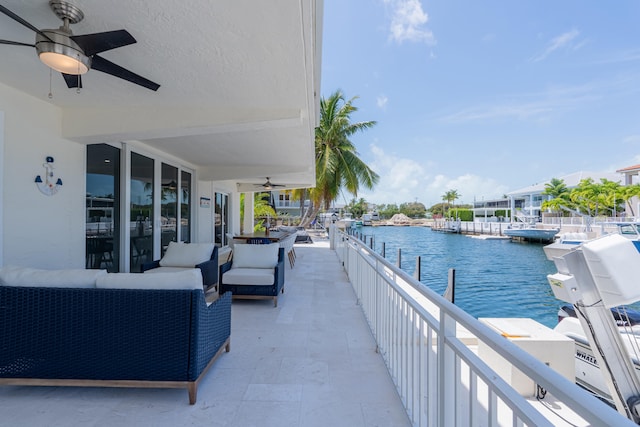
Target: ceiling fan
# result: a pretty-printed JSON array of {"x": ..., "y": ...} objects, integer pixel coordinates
[
  {"x": 73, "y": 55},
  {"x": 268, "y": 185}
]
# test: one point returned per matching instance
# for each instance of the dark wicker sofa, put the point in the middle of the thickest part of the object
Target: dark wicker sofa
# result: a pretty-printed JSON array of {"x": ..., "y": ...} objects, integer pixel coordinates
[{"x": 110, "y": 337}]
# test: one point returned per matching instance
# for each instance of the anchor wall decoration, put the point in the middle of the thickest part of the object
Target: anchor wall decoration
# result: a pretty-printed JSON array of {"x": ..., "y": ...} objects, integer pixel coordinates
[{"x": 50, "y": 186}]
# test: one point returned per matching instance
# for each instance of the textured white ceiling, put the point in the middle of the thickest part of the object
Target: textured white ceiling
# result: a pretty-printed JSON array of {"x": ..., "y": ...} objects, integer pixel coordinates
[{"x": 239, "y": 81}]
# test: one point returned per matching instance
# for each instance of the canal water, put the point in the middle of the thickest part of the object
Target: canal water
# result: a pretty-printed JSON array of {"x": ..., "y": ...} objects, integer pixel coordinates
[{"x": 494, "y": 278}]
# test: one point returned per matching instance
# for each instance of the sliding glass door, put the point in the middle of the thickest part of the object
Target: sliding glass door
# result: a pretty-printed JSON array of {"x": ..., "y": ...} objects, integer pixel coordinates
[
  {"x": 153, "y": 198},
  {"x": 103, "y": 208},
  {"x": 168, "y": 206},
  {"x": 185, "y": 207},
  {"x": 141, "y": 215}
]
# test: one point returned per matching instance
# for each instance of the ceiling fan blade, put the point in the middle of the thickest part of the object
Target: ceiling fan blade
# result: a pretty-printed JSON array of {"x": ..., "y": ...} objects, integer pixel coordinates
[
  {"x": 72, "y": 80},
  {"x": 101, "y": 64},
  {"x": 101, "y": 42},
  {"x": 16, "y": 43},
  {"x": 22, "y": 21}
]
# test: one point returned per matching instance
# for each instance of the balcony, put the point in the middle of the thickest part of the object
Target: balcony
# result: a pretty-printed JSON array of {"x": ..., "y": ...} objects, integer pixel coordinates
[{"x": 355, "y": 346}]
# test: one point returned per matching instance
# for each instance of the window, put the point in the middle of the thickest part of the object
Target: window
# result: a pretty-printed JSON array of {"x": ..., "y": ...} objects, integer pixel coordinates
[
  {"x": 168, "y": 206},
  {"x": 158, "y": 209},
  {"x": 103, "y": 207},
  {"x": 284, "y": 200},
  {"x": 185, "y": 207},
  {"x": 221, "y": 220},
  {"x": 141, "y": 211}
]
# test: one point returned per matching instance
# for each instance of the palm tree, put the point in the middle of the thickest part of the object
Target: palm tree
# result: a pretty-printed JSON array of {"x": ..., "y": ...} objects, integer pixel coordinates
[
  {"x": 559, "y": 195},
  {"x": 628, "y": 192},
  {"x": 338, "y": 166},
  {"x": 450, "y": 196}
]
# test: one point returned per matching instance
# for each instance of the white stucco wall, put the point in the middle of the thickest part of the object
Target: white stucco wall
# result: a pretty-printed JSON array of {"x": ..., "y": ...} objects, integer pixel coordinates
[
  {"x": 39, "y": 230},
  {"x": 205, "y": 214},
  {"x": 205, "y": 218},
  {"x": 49, "y": 231}
]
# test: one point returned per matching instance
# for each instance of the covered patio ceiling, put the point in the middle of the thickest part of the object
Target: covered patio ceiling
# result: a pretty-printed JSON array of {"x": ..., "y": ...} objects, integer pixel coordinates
[{"x": 239, "y": 82}]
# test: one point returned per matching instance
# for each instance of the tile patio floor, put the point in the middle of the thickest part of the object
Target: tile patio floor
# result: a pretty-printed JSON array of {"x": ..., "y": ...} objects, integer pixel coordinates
[{"x": 309, "y": 362}]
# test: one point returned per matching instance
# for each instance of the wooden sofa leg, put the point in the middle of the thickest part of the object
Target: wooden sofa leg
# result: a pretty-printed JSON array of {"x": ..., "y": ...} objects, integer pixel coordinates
[
  {"x": 193, "y": 392},
  {"x": 227, "y": 347}
]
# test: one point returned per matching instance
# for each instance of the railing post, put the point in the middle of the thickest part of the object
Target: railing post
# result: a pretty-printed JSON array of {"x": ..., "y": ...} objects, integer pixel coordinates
[
  {"x": 371, "y": 243},
  {"x": 417, "y": 272},
  {"x": 446, "y": 371},
  {"x": 383, "y": 250},
  {"x": 399, "y": 260}
]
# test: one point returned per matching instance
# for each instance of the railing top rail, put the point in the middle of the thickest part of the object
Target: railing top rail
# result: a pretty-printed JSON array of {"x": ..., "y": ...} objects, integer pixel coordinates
[{"x": 589, "y": 407}]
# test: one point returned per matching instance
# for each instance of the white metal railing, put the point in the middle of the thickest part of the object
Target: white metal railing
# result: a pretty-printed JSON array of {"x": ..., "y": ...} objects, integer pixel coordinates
[{"x": 425, "y": 342}]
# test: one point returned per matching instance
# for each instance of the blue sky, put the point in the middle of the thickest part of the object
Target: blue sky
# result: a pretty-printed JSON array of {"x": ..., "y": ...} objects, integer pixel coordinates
[{"x": 485, "y": 97}]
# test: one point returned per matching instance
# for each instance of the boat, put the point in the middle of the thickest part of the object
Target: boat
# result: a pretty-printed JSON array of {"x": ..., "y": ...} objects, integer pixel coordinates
[
  {"x": 587, "y": 370},
  {"x": 530, "y": 232},
  {"x": 346, "y": 221},
  {"x": 565, "y": 242},
  {"x": 367, "y": 219},
  {"x": 597, "y": 278}
]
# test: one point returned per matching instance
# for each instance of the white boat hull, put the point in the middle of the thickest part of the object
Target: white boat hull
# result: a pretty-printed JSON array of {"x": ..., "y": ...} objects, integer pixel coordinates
[
  {"x": 531, "y": 233},
  {"x": 588, "y": 373}
]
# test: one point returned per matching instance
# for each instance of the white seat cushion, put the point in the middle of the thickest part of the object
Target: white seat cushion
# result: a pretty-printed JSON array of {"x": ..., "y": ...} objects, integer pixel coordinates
[
  {"x": 33, "y": 277},
  {"x": 167, "y": 270},
  {"x": 249, "y": 276},
  {"x": 186, "y": 279},
  {"x": 255, "y": 256},
  {"x": 186, "y": 255}
]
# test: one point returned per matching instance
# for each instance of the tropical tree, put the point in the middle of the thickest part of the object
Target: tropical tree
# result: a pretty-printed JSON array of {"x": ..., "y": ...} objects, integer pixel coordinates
[
  {"x": 413, "y": 209},
  {"x": 262, "y": 209},
  {"x": 450, "y": 197},
  {"x": 590, "y": 196},
  {"x": 357, "y": 207},
  {"x": 389, "y": 210},
  {"x": 559, "y": 193},
  {"x": 338, "y": 166},
  {"x": 627, "y": 193}
]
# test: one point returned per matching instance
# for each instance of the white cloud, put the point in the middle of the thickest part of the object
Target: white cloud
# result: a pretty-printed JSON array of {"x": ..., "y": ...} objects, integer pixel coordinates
[
  {"x": 408, "y": 22},
  {"x": 382, "y": 102},
  {"x": 539, "y": 106},
  {"x": 631, "y": 139},
  {"x": 405, "y": 180},
  {"x": 564, "y": 40}
]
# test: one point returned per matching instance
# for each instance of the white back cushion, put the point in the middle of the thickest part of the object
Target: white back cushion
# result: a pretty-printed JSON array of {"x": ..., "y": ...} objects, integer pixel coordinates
[
  {"x": 255, "y": 256},
  {"x": 180, "y": 254},
  {"x": 187, "y": 279},
  {"x": 33, "y": 277}
]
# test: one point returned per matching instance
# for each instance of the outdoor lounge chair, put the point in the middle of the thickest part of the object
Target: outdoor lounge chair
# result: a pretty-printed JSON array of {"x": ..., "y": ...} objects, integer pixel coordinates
[
  {"x": 181, "y": 256},
  {"x": 255, "y": 272}
]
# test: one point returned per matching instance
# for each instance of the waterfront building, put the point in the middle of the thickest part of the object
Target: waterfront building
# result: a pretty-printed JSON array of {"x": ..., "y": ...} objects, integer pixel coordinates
[
  {"x": 631, "y": 176},
  {"x": 236, "y": 108},
  {"x": 238, "y": 102},
  {"x": 526, "y": 203}
]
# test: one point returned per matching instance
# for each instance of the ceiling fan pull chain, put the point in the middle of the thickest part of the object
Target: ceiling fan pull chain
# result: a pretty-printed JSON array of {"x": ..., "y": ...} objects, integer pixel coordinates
[
  {"x": 50, "y": 93},
  {"x": 79, "y": 75}
]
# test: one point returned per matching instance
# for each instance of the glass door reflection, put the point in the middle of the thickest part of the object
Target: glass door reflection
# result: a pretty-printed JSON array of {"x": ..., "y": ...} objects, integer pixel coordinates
[
  {"x": 168, "y": 206},
  {"x": 103, "y": 208},
  {"x": 141, "y": 211}
]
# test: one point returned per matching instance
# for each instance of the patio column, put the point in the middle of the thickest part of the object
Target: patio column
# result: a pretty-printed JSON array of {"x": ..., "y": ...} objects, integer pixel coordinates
[{"x": 248, "y": 213}]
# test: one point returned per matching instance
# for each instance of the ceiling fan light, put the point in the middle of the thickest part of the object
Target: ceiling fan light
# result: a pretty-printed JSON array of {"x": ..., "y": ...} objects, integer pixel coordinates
[
  {"x": 59, "y": 52},
  {"x": 63, "y": 63}
]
